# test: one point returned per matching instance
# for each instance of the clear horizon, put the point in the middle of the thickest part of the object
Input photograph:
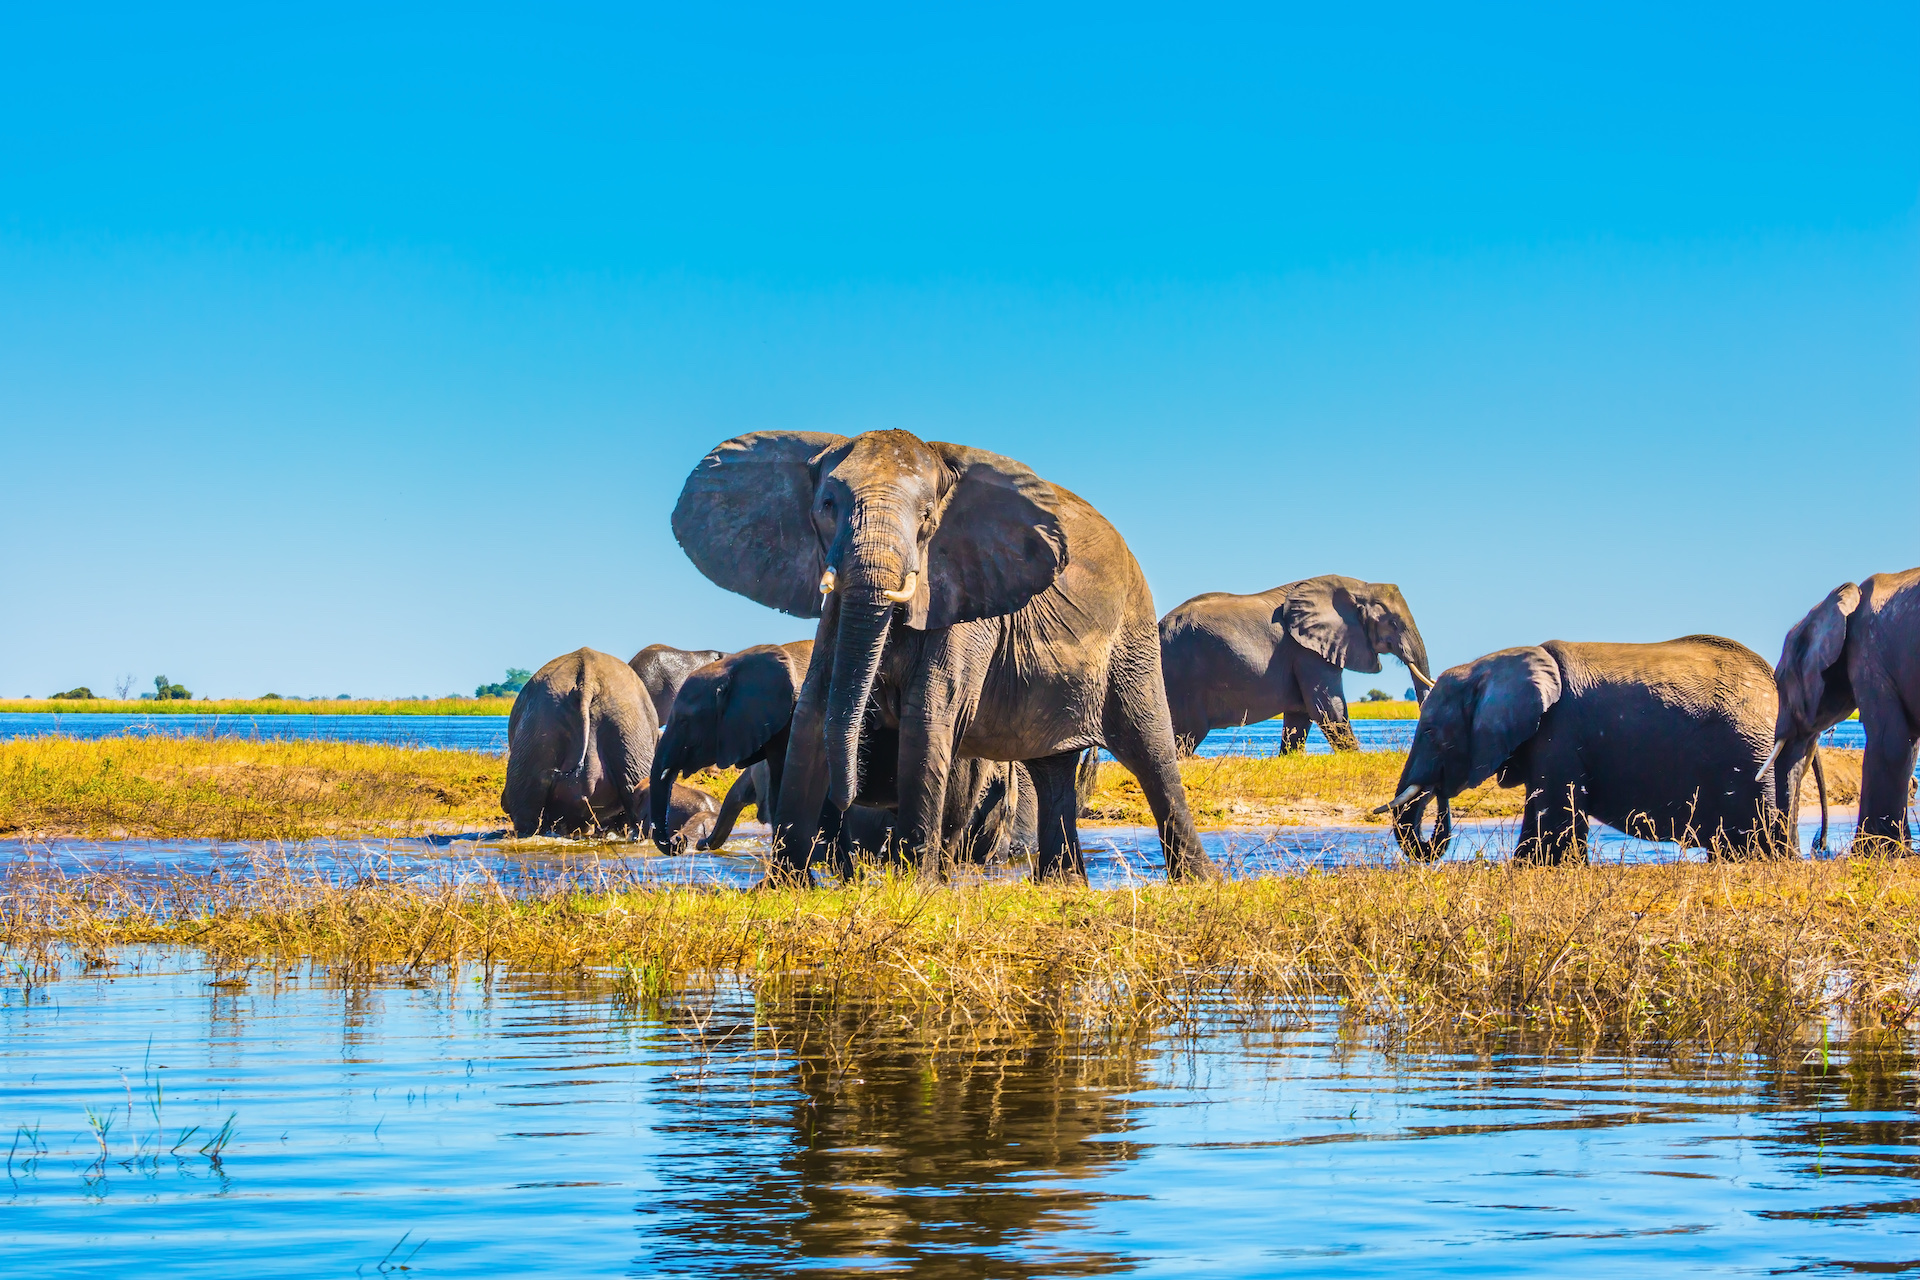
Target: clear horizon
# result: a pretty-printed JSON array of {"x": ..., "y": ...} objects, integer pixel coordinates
[{"x": 354, "y": 351}]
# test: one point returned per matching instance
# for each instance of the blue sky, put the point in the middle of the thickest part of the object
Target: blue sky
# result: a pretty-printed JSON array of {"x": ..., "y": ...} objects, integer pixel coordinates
[{"x": 365, "y": 351}]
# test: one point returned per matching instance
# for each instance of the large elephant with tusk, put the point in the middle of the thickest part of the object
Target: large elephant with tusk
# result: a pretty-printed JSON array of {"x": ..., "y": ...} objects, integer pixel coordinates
[
  {"x": 1230, "y": 660},
  {"x": 1858, "y": 649},
  {"x": 967, "y": 607},
  {"x": 1663, "y": 741}
]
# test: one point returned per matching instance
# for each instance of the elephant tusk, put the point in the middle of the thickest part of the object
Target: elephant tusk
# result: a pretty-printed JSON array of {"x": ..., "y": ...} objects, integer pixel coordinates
[
  {"x": 1398, "y": 800},
  {"x": 826, "y": 583},
  {"x": 907, "y": 588},
  {"x": 1768, "y": 762},
  {"x": 1420, "y": 677}
]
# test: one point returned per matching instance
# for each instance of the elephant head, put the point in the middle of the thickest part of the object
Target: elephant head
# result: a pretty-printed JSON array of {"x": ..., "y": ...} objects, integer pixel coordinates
[
  {"x": 725, "y": 714},
  {"x": 861, "y": 531},
  {"x": 1815, "y": 694},
  {"x": 1474, "y": 719},
  {"x": 1351, "y": 623}
]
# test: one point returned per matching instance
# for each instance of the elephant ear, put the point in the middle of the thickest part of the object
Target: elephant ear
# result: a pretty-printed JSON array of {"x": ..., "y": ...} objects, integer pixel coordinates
[
  {"x": 1815, "y": 643},
  {"x": 999, "y": 542},
  {"x": 1515, "y": 688},
  {"x": 758, "y": 698},
  {"x": 745, "y": 518},
  {"x": 1322, "y": 614}
]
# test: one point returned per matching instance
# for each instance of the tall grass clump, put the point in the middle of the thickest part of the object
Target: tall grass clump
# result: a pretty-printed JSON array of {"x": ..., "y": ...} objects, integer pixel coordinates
[{"x": 1677, "y": 958}]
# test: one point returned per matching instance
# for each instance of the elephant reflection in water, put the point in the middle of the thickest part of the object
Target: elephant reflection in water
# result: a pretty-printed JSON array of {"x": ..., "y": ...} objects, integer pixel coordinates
[{"x": 862, "y": 1145}]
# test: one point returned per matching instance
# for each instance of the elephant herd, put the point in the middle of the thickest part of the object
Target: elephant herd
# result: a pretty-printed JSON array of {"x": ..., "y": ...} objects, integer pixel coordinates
[{"x": 981, "y": 631}]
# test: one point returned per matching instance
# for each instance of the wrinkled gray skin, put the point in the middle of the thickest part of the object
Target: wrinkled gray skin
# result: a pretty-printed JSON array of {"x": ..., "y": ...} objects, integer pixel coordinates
[
  {"x": 1231, "y": 660},
  {"x": 737, "y": 712},
  {"x": 580, "y": 744},
  {"x": 1662, "y": 741},
  {"x": 1859, "y": 649},
  {"x": 974, "y": 609},
  {"x": 662, "y": 668}
]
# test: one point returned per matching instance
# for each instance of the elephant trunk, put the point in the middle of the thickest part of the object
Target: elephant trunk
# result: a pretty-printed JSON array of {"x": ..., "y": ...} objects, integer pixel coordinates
[
  {"x": 858, "y": 647},
  {"x": 1820, "y": 781},
  {"x": 666, "y": 771},
  {"x": 1406, "y": 829}
]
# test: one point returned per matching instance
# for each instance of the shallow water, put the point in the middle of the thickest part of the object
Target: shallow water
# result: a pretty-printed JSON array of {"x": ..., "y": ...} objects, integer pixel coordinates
[
  {"x": 1115, "y": 856},
  {"x": 489, "y": 1126}
]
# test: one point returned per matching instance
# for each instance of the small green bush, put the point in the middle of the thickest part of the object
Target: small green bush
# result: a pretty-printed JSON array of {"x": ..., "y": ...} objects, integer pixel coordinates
[
  {"x": 516, "y": 680},
  {"x": 76, "y": 694}
]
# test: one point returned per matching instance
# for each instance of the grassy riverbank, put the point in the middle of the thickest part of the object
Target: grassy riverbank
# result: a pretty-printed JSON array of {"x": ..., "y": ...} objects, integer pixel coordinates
[
  {"x": 1722, "y": 957},
  {"x": 260, "y": 707},
  {"x": 235, "y": 789}
]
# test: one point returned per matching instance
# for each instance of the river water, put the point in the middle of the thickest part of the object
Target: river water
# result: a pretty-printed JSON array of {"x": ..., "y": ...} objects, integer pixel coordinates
[
  {"x": 486, "y": 1125},
  {"x": 489, "y": 733}
]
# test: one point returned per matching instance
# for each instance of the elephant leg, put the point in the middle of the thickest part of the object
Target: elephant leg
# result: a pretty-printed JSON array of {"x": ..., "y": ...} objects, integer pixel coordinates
[
  {"x": 1552, "y": 827},
  {"x": 926, "y": 760},
  {"x": 525, "y": 808},
  {"x": 745, "y": 791},
  {"x": 800, "y": 786},
  {"x": 1326, "y": 702},
  {"x": 1141, "y": 739},
  {"x": 1886, "y": 783},
  {"x": 1293, "y": 732},
  {"x": 835, "y": 842},
  {"x": 1057, "y": 806},
  {"x": 1189, "y": 720}
]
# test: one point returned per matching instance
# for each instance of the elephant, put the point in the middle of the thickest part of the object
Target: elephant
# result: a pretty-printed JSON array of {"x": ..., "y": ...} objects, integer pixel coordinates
[
  {"x": 691, "y": 815},
  {"x": 967, "y": 608},
  {"x": 580, "y": 745},
  {"x": 1662, "y": 741},
  {"x": 1858, "y": 649},
  {"x": 737, "y": 712},
  {"x": 1231, "y": 660},
  {"x": 662, "y": 668}
]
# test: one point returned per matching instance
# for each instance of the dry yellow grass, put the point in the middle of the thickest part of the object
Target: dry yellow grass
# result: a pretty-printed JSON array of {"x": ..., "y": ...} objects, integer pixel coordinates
[
  {"x": 1718, "y": 957},
  {"x": 1294, "y": 790},
  {"x": 233, "y": 789}
]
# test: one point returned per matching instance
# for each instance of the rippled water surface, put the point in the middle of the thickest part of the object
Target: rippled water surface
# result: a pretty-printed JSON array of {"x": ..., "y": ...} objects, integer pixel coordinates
[
  {"x": 494, "y": 1126},
  {"x": 1115, "y": 856}
]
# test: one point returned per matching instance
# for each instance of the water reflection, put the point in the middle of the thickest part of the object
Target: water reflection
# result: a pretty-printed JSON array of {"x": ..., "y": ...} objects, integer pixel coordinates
[
  {"x": 884, "y": 1148},
  {"x": 532, "y": 1127}
]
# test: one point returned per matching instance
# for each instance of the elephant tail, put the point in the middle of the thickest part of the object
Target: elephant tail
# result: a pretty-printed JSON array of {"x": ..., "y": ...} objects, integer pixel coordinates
[{"x": 579, "y": 769}]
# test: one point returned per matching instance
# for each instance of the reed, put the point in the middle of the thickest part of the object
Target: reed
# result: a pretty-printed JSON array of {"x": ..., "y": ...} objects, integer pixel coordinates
[
  {"x": 261, "y": 707},
  {"x": 1680, "y": 958}
]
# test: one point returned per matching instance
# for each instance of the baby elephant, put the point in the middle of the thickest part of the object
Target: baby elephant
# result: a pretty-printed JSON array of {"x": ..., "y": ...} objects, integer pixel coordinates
[
  {"x": 579, "y": 748},
  {"x": 738, "y": 712},
  {"x": 1662, "y": 741}
]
